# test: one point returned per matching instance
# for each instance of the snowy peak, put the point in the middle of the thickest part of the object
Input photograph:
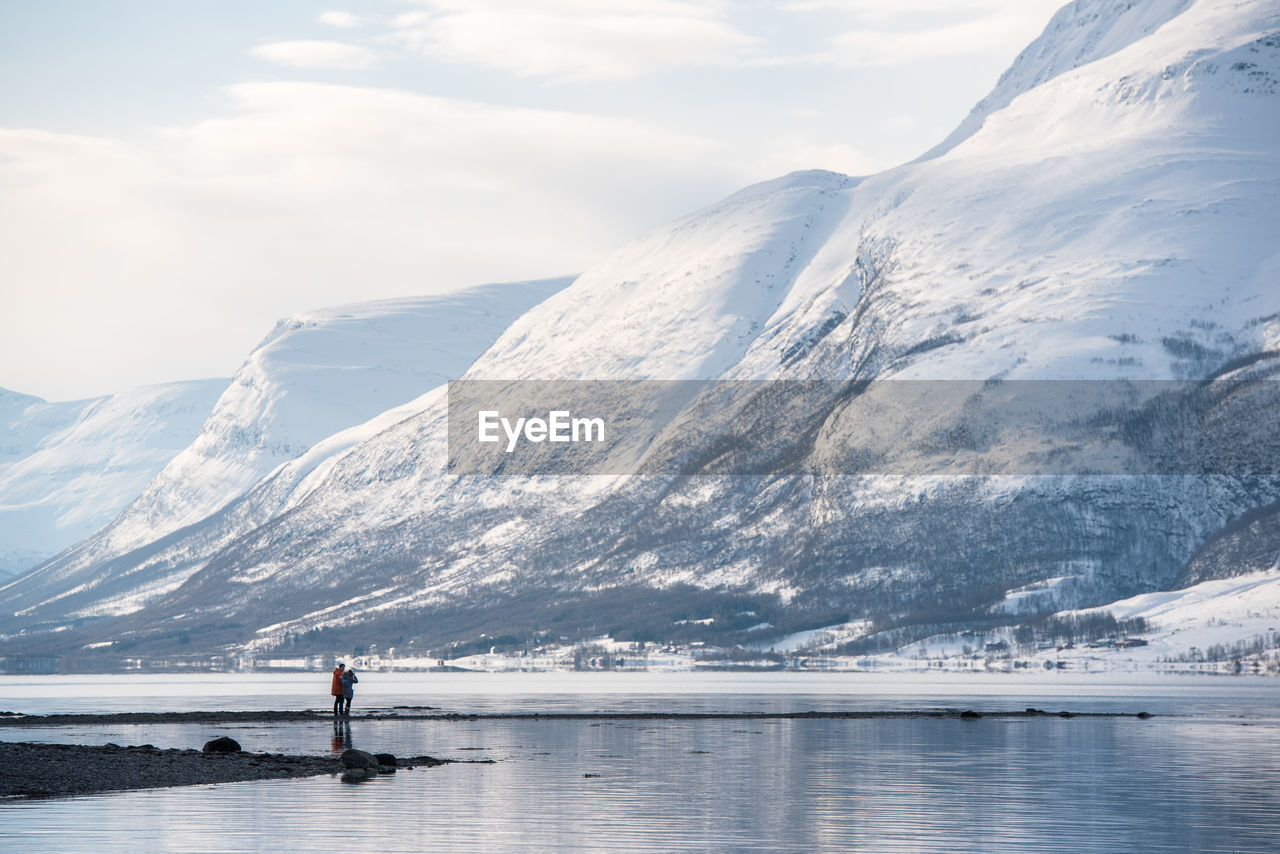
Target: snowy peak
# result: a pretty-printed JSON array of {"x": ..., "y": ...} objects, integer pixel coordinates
[
  {"x": 13, "y": 403},
  {"x": 1144, "y": 49},
  {"x": 1115, "y": 219},
  {"x": 684, "y": 302}
]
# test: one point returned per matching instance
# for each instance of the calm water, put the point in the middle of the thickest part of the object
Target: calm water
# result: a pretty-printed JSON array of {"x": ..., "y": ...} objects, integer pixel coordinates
[{"x": 1207, "y": 778}]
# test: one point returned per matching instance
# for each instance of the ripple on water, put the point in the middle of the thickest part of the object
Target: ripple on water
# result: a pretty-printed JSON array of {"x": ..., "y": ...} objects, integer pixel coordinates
[{"x": 884, "y": 785}]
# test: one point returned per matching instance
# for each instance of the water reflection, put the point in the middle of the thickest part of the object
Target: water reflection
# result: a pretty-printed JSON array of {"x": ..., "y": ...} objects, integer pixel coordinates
[
  {"x": 341, "y": 735},
  {"x": 887, "y": 785}
]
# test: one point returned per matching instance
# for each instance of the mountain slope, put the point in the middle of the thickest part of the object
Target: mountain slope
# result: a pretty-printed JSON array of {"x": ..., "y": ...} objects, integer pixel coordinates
[
  {"x": 315, "y": 375},
  {"x": 68, "y": 468},
  {"x": 1110, "y": 216}
]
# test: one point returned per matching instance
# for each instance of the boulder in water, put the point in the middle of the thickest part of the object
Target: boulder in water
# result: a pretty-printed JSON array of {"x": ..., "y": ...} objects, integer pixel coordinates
[
  {"x": 357, "y": 759},
  {"x": 221, "y": 744}
]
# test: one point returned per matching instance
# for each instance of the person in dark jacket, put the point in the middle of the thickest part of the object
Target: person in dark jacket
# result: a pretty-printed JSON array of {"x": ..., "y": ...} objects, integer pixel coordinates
[
  {"x": 335, "y": 688},
  {"x": 349, "y": 679}
]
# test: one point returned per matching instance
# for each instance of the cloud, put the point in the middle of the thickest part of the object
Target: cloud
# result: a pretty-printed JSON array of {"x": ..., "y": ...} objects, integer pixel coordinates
[
  {"x": 902, "y": 32},
  {"x": 105, "y": 272},
  {"x": 915, "y": 8},
  {"x": 793, "y": 152},
  {"x": 128, "y": 263},
  {"x": 863, "y": 48},
  {"x": 341, "y": 20},
  {"x": 317, "y": 55},
  {"x": 409, "y": 21},
  {"x": 574, "y": 39}
]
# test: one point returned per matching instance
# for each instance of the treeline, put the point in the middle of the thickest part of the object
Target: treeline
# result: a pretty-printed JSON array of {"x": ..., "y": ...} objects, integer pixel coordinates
[
  {"x": 939, "y": 613},
  {"x": 1251, "y": 648},
  {"x": 1027, "y": 632},
  {"x": 1077, "y": 628}
]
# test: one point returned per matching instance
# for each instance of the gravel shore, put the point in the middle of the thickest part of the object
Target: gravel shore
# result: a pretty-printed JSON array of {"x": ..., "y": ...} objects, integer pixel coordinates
[
  {"x": 44, "y": 770},
  {"x": 32, "y": 770}
]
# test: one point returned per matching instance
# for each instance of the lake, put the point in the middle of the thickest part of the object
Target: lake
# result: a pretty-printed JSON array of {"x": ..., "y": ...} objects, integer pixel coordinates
[{"x": 1203, "y": 775}]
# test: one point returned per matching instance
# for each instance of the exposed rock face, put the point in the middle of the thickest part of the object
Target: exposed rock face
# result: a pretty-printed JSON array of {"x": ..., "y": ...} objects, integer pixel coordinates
[{"x": 1249, "y": 544}]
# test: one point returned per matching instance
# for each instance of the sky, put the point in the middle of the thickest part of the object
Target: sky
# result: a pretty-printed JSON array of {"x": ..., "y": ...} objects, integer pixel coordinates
[{"x": 176, "y": 177}]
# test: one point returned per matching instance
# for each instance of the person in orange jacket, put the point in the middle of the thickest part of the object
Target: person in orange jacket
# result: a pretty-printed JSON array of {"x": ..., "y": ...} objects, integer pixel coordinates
[{"x": 336, "y": 688}]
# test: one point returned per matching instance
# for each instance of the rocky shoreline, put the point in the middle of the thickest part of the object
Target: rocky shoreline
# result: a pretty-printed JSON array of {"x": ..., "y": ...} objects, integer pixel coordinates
[{"x": 33, "y": 770}]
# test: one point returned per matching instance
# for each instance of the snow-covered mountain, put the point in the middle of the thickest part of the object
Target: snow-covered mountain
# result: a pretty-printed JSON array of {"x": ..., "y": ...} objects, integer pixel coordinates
[
  {"x": 66, "y": 469},
  {"x": 1109, "y": 212},
  {"x": 316, "y": 374}
]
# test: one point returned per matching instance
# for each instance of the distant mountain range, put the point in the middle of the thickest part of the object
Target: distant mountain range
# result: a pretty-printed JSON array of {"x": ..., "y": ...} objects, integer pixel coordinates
[
  {"x": 1109, "y": 212},
  {"x": 315, "y": 376},
  {"x": 66, "y": 469}
]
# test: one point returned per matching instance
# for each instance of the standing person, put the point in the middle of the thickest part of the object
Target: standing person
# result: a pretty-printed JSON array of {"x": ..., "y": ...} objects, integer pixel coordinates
[
  {"x": 335, "y": 688},
  {"x": 349, "y": 680}
]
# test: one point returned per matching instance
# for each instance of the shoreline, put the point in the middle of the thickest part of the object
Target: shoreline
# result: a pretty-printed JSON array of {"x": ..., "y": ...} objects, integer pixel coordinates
[
  {"x": 31, "y": 770},
  {"x": 11, "y": 719},
  {"x": 34, "y": 770}
]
